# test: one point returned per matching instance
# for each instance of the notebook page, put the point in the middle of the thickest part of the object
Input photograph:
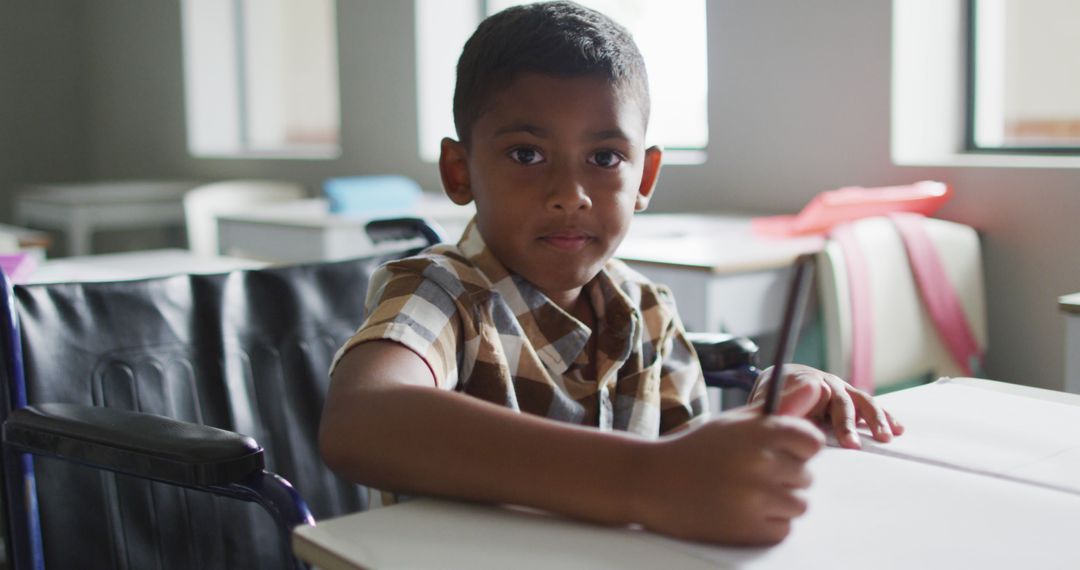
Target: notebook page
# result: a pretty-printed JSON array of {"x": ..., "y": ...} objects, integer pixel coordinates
[
  {"x": 872, "y": 511},
  {"x": 968, "y": 427}
]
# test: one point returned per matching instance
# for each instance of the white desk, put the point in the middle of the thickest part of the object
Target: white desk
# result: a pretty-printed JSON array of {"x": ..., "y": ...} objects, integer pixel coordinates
[
  {"x": 305, "y": 230},
  {"x": 80, "y": 209},
  {"x": 907, "y": 514},
  {"x": 134, "y": 265},
  {"x": 724, "y": 277},
  {"x": 1070, "y": 306}
]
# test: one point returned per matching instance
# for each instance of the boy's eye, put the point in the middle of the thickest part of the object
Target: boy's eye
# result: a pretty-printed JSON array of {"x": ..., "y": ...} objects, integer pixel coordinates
[
  {"x": 526, "y": 155},
  {"x": 605, "y": 159}
]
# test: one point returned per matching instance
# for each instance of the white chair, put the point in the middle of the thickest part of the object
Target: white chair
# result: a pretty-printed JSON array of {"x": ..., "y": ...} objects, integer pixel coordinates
[
  {"x": 905, "y": 345},
  {"x": 204, "y": 203}
]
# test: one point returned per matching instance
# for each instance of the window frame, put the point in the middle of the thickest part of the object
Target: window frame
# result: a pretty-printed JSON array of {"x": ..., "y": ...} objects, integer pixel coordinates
[
  {"x": 673, "y": 155},
  {"x": 971, "y": 98},
  {"x": 241, "y": 145}
]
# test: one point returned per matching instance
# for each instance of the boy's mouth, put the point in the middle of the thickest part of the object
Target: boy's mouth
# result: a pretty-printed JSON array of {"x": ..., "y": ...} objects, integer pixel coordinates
[{"x": 567, "y": 240}]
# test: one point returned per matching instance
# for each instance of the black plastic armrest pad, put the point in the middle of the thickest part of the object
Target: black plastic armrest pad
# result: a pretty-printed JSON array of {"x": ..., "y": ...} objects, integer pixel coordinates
[
  {"x": 721, "y": 351},
  {"x": 143, "y": 445}
]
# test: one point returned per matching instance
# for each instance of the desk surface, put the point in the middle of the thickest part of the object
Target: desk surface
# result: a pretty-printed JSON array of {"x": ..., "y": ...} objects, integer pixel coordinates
[
  {"x": 717, "y": 243},
  {"x": 134, "y": 265},
  {"x": 81, "y": 209},
  {"x": 107, "y": 192},
  {"x": 1070, "y": 303},
  {"x": 315, "y": 212},
  {"x": 306, "y": 230},
  {"x": 949, "y": 517},
  {"x": 724, "y": 276},
  {"x": 713, "y": 243}
]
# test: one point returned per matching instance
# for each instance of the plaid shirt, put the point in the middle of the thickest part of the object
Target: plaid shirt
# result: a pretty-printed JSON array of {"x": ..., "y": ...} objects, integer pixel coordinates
[{"x": 489, "y": 333}]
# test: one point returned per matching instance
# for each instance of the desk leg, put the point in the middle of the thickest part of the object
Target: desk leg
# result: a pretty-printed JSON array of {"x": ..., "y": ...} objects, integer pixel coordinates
[
  {"x": 1072, "y": 353},
  {"x": 78, "y": 236}
]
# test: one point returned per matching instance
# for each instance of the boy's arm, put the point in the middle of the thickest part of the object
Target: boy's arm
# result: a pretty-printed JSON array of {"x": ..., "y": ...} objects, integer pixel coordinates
[{"x": 736, "y": 480}]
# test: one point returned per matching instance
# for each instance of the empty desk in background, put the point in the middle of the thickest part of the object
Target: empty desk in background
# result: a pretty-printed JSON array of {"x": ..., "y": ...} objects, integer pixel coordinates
[
  {"x": 134, "y": 265},
  {"x": 80, "y": 209},
  {"x": 305, "y": 230},
  {"x": 1070, "y": 306},
  {"x": 724, "y": 277}
]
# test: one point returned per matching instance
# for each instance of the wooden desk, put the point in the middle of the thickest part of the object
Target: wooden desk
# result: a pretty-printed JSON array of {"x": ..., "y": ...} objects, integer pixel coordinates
[
  {"x": 724, "y": 277},
  {"x": 305, "y": 230},
  {"x": 866, "y": 510},
  {"x": 1070, "y": 307},
  {"x": 80, "y": 209},
  {"x": 134, "y": 265}
]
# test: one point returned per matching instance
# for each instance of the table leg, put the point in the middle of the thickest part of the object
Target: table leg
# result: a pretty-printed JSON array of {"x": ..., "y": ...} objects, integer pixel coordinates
[{"x": 79, "y": 235}]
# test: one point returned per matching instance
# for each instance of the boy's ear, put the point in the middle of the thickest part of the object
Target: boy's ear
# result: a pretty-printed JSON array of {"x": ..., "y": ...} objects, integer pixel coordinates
[
  {"x": 454, "y": 169},
  {"x": 653, "y": 158}
]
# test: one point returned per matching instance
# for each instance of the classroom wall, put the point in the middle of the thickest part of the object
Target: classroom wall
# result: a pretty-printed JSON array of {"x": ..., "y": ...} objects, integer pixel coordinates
[
  {"x": 138, "y": 115},
  {"x": 43, "y": 123},
  {"x": 799, "y": 102}
]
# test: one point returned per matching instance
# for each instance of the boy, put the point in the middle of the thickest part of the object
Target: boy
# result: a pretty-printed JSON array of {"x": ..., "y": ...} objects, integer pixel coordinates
[{"x": 530, "y": 313}]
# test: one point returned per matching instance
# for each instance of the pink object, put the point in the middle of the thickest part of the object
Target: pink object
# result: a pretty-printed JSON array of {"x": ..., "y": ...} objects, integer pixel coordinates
[
  {"x": 18, "y": 266},
  {"x": 833, "y": 207},
  {"x": 937, "y": 293},
  {"x": 862, "y": 312}
]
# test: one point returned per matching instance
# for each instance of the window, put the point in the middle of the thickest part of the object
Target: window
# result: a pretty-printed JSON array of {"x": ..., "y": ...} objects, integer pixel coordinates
[
  {"x": 671, "y": 35},
  {"x": 261, "y": 78},
  {"x": 1024, "y": 76}
]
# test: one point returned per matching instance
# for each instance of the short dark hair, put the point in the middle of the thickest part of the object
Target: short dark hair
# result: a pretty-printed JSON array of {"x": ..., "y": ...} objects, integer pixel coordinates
[{"x": 561, "y": 38}]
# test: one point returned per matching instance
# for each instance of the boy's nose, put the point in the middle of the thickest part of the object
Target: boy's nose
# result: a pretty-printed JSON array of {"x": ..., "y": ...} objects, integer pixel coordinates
[{"x": 567, "y": 194}]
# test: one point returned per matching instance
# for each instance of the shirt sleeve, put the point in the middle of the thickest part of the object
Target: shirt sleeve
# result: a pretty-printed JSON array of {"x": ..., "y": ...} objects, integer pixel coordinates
[
  {"x": 406, "y": 307},
  {"x": 682, "y": 384}
]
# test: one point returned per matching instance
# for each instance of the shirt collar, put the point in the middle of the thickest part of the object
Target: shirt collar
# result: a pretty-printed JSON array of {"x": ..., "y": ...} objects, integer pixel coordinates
[{"x": 557, "y": 337}]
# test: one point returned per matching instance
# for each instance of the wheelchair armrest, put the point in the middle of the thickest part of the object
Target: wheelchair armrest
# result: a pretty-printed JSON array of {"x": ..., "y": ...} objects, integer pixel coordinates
[
  {"x": 139, "y": 444},
  {"x": 721, "y": 351},
  {"x": 728, "y": 361},
  {"x": 404, "y": 228}
]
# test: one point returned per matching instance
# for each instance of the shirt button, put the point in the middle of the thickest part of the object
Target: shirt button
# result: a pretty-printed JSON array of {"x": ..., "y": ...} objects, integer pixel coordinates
[{"x": 605, "y": 408}]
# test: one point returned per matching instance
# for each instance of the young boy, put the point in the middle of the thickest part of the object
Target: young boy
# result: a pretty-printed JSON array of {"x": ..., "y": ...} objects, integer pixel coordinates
[{"x": 470, "y": 351}]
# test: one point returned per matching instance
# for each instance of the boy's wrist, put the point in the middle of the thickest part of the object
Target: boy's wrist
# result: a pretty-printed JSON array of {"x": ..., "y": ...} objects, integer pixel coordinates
[{"x": 642, "y": 467}]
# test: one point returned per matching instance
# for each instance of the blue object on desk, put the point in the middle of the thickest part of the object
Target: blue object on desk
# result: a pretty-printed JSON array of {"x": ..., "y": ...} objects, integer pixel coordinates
[{"x": 372, "y": 194}]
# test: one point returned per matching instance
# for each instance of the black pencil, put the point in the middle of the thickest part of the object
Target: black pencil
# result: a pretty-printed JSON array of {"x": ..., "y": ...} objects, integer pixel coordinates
[{"x": 794, "y": 305}]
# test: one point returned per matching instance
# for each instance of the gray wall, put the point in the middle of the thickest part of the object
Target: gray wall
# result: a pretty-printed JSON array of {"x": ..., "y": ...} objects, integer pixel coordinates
[
  {"x": 43, "y": 87},
  {"x": 799, "y": 103}
]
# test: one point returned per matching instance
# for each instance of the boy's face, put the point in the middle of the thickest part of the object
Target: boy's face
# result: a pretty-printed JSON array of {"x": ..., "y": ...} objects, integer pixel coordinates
[{"x": 557, "y": 166}]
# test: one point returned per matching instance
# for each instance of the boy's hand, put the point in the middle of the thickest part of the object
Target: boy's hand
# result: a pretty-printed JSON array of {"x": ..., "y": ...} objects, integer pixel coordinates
[
  {"x": 839, "y": 404},
  {"x": 736, "y": 479}
]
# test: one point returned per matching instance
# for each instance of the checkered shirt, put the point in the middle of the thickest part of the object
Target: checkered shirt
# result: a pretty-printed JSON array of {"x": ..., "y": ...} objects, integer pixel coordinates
[{"x": 491, "y": 334}]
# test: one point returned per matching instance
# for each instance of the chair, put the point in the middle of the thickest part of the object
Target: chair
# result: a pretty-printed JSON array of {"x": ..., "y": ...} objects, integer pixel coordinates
[
  {"x": 901, "y": 344},
  {"x": 245, "y": 351},
  {"x": 124, "y": 401},
  {"x": 204, "y": 203},
  {"x": 730, "y": 364}
]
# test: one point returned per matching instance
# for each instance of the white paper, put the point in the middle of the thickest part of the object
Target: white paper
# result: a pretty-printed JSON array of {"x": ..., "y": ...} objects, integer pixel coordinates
[
  {"x": 873, "y": 511},
  {"x": 967, "y": 427}
]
